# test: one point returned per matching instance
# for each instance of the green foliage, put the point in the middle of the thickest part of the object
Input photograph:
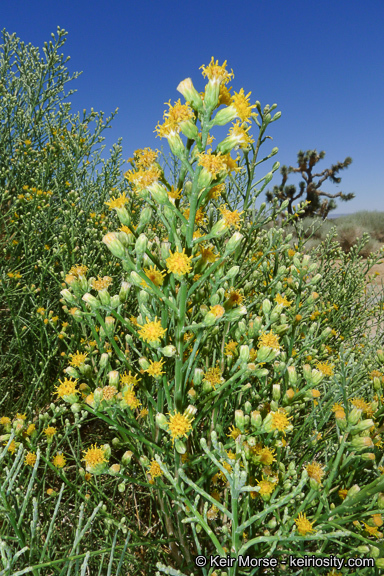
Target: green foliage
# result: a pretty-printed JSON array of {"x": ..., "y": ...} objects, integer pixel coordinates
[
  {"x": 309, "y": 188},
  {"x": 220, "y": 395}
]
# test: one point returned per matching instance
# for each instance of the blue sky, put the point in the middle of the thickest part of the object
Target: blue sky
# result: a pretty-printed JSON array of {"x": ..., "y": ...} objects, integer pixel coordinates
[{"x": 321, "y": 62}]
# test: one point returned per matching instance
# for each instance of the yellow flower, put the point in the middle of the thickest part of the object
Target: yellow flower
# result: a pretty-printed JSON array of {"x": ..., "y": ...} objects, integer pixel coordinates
[
  {"x": 230, "y": 348},
  {"x": 213, "y": 376},
  {"x": 215, "y": 72},
  {"x": 4, "y": 420},
  {"x": 362, "y": 405},
  {"x": 266, "y": 456},
  {"x": 142, "y": 179},
  {"x": 109, "y": 392},
  {"x": 243, "y": 107},
  {"x": 315, "y": 471},
  {"x": 50, "y": 431},
  {"x": 178, "y": 425},
  {"x": 143, "y": 412},
  {"x": 304, "y": 526},
  {"x": 179, "y": 263},
  {"x": 154, "y": 469},
  {"x": 217, "y": 310},
  {"x": 233, "y": 432},
  {"x": 269, "y": 340},
  {"x": 152, "y": 331},
  {"x": 207, "y": 255},
  {"x": 342, "y": 493},
  {"x": 130, "y": 399},
  {"x": 78, "y": 270},
  {"x": 128, "y": 379},
  {"x": 234, "y": 298},
  {"x": 230, "y": 218},
  {"x": 117, "y": 202},
  {"x": 154, "y": 275},
  {"x": 30, "y": 459},
  {"x": 282, "y": 300},
  {"x": 101, "y": 283},
  {"x": 145, "y": 157},
  {"x": 66, "y": 388},
  {"x": 372, "y": 530},
  {"x": 324, "y": 368},
  {"x": 280, "y": 421},
  {"x": 95, "y": 459},
  {"x": 212, "y": 163},
  {"x": 78, "y": 359},
  {"x": 59, "y": 461},
  {"x": 155, "y": 368},
  {"x": 266, "y": 487}
]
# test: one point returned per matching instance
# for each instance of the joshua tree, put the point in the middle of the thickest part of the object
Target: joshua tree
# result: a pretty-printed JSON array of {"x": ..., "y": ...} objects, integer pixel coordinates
[{"x": 310, "y": 188}]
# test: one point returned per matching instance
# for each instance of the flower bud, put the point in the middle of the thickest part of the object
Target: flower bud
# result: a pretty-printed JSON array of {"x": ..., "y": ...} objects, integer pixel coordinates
[
  {"x": 145, "y": 216},
  {"x": 68, "y": 296},
  {"x": 189, "y": 129},
  {"x": 352, "y": 491},
  {"x": 369, "y": 456},
  {"x": 114, "y": 469},
  {"x": 114, "y": 245},
  {"x": 144, "y": 364},
  {"x": 169, "y": 351},
  {"x": 233, "y": 243},
  {"x": 164, "y": 250},
  {"x": 315, "y": 279},
  {"x": 307, "y": 373},
  {"x": 362, "y": 442},
  {"x": 256, "y": 419},
  {"x": 236, "y": 314},
  {"x": 233, "y": 272},
  {"x": 326, "y": 333},
  {"x": 244, "y": 353},
  {"x": 292, "y": 375},
  {"x": 180, "y": 446},
  {"x": 198, "y": 376},
  {"x": 72, "y": 372},
  {"x": 104, "y": 297},
  {"x": 161, "y": 421},
  {"x": 380, "y": 501},
  {"x": 209, "y": 319},
  {"x": 362, "y": 549},
  {"x": 158, "y": 192},
  {"x": 242, "y": 327},
  {"x": 317, "y": 376},
  {"x": 190, "y": 94},
  {"x": 121, "y": 487},
  {"x": 266, "y": 306},
  {"x": 363, "y": 425},
  {"x": 104, "y": 358},
  {"x": 126, "y": 458},
  {"x": 113, "y": 377},
  {"x": 276, "y": 392},
  {"x": 354, "y": 416},
  {"x": 141, "y": 244},
  {"x": 219, "y": 228},
  {"x": 239, "y": 420}
]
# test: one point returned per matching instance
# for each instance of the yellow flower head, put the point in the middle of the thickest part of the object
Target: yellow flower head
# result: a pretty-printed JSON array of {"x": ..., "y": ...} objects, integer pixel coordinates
[
  {"x": 234, "y": 298},
  {"x": 4, "y": 420},
  {"x": 154, "y": 275},
  {"x": 30, "y": 459},
  {"x": 78, "y": 270},
  {"x": 129, "y": 380},
  {"x": 315, "y": 471},
  {"x": 179, "y": 425},
  {"x": 240, "y": 135},
  {"x": 304, "y": 526},
  {"x": 230, "y": 348},
  {"x": 130, "y": 399},
  {"x": 213, "y": 376},
  {"x": 50, "y": 431},
  {"x": 217, "y": 73},
  {"x": 213, "y": 163},
  {"x": 155, "y": 368},
  {"x": 141, "y": 178},
  {"x": 178, "y": 113},
  {"x": 95, "y": 459},
  {"x": 282, "y": 300},
  {"x": 325, "y": 369},
  {"x": 230, "y": 218},
  {"x": 78, "y": 359},
  {"x": 242, "y": 105},
  {"x": 101, "y": 283},
  {"x": 266, "y": 487},
  {"x": 66, "y": 388},
  {"x": 217, "y": 310},
  {"x": 233, "y": 432},
  {"x": 154, "y": 469},
  {"x": 152, "y": 331},
  {"x": 179, "y": 263},
  {"x": 208, "y": 255},
  {"x": 280, "y": 421},
  {"x": 269, "y": 340},
  {"x": 266, "y": 456},
  {"x": 145, "y": 157},
  {"x": 117, "y": 202},
  {"x": 59, "y": 461},
  {"x": 109, "y": 392}
]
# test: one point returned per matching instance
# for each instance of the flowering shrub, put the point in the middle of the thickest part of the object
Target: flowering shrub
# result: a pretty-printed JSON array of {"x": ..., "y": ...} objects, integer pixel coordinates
[{"x": 220, "y": 367}]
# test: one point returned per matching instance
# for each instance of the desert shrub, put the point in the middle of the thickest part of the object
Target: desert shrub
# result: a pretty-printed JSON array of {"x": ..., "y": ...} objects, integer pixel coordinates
[{"x": 223, "y": 395}]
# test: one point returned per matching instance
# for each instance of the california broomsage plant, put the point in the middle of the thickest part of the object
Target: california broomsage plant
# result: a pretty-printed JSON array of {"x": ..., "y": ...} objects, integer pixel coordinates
[{"x": 255, "y": 435}]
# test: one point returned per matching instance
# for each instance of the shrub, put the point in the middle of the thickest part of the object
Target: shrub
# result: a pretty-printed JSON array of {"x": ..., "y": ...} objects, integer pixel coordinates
[{"x": 226, "y": 379}]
